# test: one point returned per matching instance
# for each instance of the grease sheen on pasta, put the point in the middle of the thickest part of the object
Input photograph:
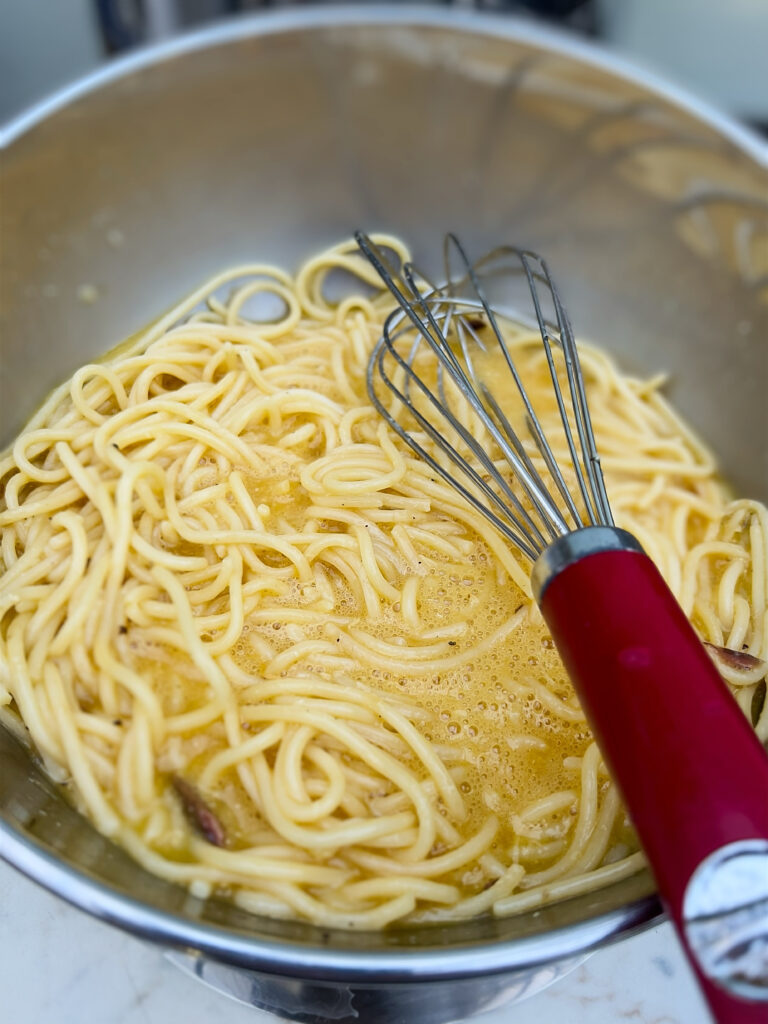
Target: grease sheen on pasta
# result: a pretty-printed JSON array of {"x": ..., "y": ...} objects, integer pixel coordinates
[{"x": 275, "y": 659}]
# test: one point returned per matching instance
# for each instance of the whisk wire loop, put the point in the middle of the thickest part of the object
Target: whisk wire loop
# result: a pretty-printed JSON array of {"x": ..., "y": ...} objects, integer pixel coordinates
[
  {"x": 520, "y": 519},
  {"x": 516, "y": 536},
  {"x": 533, "y": 278},
  {"x": 538, "y": 493},
  {"x": 450, "y": 319},
  {"x": 489, "y": 400}
]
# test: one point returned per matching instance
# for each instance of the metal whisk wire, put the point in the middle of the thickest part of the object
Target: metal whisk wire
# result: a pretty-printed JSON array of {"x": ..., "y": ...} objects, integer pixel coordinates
[{"x": 439, "y": 312}]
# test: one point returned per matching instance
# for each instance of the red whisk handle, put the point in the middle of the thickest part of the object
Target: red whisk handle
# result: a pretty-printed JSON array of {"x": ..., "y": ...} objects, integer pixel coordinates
[{"x": 690, "y": 767}]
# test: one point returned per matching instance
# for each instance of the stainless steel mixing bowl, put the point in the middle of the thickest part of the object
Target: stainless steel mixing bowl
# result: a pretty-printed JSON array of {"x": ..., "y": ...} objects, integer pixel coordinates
[{"x": 268, "y": 138}]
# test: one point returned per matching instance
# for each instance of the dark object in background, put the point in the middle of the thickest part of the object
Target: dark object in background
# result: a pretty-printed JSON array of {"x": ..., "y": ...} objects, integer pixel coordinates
[
  {"x": 579, "y": 15},
  {"x": 122, "y": 23},
  {"x": 128, "y": 23}
]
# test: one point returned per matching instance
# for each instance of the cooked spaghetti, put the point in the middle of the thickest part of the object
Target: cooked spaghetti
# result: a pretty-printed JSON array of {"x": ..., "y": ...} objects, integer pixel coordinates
[{"x": 275, "y": 659}]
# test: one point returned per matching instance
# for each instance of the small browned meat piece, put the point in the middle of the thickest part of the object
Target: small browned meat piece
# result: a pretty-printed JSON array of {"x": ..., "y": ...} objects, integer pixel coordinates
[
  {"x": 199, "y": 813},
  {"x": 739, "y": 660}
]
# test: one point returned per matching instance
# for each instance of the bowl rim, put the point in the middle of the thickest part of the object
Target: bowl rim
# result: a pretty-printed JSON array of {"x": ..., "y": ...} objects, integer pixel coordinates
[
  {"x": 297, "y": 19},
  {"x": 323, "y": 963},
  {"x": 282, "y": 957}
]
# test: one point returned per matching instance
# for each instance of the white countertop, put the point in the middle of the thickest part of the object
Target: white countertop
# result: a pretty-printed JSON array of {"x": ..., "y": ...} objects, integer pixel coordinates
[{"x": 59, "y": 966}]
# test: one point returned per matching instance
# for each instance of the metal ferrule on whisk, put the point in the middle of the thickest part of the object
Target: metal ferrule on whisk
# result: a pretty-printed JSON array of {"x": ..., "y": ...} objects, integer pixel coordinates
[{"x": 565, "y": 551}]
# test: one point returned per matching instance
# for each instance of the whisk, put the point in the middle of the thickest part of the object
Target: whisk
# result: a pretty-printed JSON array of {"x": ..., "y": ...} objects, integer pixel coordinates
[{"x": 691, "y": 770}]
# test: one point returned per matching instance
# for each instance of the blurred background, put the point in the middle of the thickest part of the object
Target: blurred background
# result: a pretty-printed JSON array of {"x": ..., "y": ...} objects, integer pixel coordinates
[{"x": 716, "y": 49}]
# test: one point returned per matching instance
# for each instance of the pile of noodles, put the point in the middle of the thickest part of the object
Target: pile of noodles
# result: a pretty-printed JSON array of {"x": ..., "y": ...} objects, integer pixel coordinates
[{"x": 219, "y": 619}]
